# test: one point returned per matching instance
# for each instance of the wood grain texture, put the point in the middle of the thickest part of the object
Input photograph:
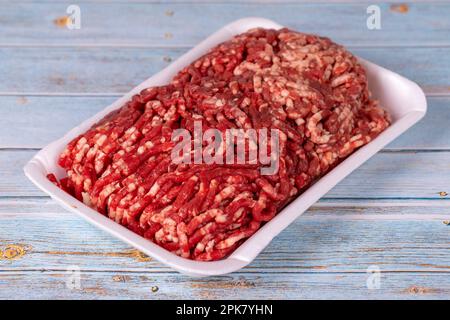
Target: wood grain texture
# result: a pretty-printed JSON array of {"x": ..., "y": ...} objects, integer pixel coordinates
[
  {"x": 327, "y": 239},
  {"x": 42, "y": 119},
  {"x": 127, "y": 285},
  {"x": 34, "y": 117},
  {"x": 388, "y": 213},
  {"x": 23, "y": 23},
  {"x": 115, "y": 71}
]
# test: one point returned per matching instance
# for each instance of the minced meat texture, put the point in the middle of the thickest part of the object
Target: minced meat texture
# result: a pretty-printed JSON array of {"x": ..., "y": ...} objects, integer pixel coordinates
[{"x": 313, "y": 91}]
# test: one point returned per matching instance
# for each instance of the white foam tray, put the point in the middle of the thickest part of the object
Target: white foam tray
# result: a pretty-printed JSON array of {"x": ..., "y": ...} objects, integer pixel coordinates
[{"x": 403, "y": 99}]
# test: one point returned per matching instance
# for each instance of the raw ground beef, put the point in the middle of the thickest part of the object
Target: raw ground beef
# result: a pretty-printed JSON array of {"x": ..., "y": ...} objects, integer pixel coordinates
[{"x": 309, "y": 88}]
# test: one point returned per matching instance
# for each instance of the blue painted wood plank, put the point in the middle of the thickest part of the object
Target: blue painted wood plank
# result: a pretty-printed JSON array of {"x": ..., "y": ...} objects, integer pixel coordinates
[
  {"x": 34, "y": 117},
  {"x": 397, "y": 175},
  {"x": 149, "y": 24},
  {"x": 242, "y": 1},
  {"x": 432, "y": 132},
  {"x": 125, "y": 285},
  {"x": 389, "y": 175},
  {"x": 78, "y": 70},
  {"x": 41, "y": 120},
  {"x": 114, "y": 71},
  {"x": 326, "y": 239},
  {"x": 334, "y": 242}
]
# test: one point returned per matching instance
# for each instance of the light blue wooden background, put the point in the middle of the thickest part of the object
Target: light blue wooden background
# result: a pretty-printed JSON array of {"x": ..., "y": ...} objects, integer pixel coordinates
[{"x": 388, "y": 213}]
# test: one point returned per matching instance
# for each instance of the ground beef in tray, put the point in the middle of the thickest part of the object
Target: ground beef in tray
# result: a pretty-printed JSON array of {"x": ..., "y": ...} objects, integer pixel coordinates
[{"x": 313, "y": 91}]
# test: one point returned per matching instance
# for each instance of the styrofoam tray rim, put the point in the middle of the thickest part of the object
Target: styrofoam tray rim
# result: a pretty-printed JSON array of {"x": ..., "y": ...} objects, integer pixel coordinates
[{"x": 44, "y": 162}]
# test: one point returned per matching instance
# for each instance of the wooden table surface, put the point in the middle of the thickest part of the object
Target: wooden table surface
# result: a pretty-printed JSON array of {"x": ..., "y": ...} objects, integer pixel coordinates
[{"x": 389, "y": 214}]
